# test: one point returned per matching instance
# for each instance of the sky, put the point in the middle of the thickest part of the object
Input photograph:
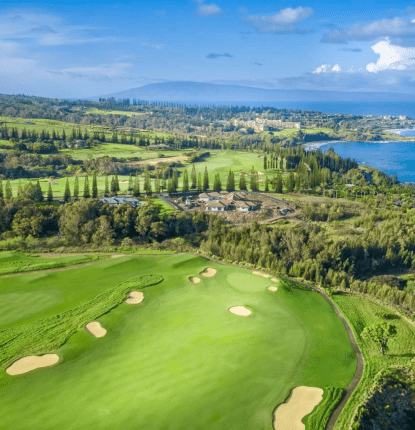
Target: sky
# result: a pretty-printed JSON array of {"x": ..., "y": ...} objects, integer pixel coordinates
[{"x": 77, "y": 49}]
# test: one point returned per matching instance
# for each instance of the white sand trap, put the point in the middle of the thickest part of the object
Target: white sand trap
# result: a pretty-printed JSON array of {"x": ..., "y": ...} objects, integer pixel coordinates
[
  {"x": 274, "y": 279},
  {"x": 96, "y": 329},
  {"x": 209, "y": 272},
  {"x": 194, "y": 279},
  {"x": 264, "y": 275},
  {"x": 32, "y": 362},
  {"x": 240, "y": 310},
  {"x": 273, "y": 289},
  {"x": 301, "y": 402},
  {"x": 134, "y": 298}
]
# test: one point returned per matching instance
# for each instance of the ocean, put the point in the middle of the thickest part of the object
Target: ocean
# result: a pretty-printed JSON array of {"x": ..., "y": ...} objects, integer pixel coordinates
[{"x": 394, "y": 158}]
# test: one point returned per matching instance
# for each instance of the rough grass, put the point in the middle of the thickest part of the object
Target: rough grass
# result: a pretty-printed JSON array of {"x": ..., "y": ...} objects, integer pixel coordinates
[
  {"x": 319, "y": 417},
  {"x": 48, "y": 334},
  {"x": 16, "y": 262},
  {"x": 361, "y": 312}
]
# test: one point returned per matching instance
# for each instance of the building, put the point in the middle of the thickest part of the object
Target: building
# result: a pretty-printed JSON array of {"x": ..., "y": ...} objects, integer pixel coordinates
[
  {"x": 116, "y": 201},
  {"x": 216, "y": 205},
  {"x": 245, "y": 206},
  {"x": 205, "y": 197}
]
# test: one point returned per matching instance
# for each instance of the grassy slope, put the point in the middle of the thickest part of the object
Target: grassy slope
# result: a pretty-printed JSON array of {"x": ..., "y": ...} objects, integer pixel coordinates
[
  {"x": 361, "y": 312},
  {"x": 179, "y": 360},
  {"x": 15, "y": 262}
]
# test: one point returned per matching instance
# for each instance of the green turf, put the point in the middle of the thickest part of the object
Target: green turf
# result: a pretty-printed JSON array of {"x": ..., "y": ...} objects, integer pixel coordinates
[
  {"x": 179, "y": 360},
  {"x": 15, "y": 262},
  {"x": 96, "y": 111},
  {"x": 361, "y": 312}
]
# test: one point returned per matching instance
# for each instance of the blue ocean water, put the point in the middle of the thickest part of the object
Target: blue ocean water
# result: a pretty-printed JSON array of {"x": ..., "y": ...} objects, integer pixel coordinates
[{"x": 394, "y": 158}]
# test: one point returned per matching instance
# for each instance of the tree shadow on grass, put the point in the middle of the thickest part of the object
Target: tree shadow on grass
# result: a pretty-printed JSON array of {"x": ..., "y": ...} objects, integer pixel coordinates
[{"x": 408, "y": 354}]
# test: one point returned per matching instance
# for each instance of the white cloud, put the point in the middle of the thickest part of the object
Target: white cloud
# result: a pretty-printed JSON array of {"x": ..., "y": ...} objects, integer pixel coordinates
[
  {"x": 327, "y": 68},
  {"x": 153, "y": 45},
  {"x": 103, "y": 72},
  {"x": 391, "y": 27},
  {"x": 391, "y": 57},
  {"x": 209, "y": 9},
  {"x": 280, "y": 22}
]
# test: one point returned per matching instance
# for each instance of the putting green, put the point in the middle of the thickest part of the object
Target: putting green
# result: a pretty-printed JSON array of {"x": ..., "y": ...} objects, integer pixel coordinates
[{"x": 179, "y": 360}]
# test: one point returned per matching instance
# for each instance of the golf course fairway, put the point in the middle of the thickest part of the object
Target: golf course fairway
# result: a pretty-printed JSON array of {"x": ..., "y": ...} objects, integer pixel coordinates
[{"x": 179, "y": 359}]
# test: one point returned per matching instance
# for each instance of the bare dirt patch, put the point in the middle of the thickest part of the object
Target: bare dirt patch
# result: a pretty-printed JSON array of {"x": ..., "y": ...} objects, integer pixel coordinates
[
  {"x": 32, "y": 362},
  {"x": 209, "y": 272},
  {"x": 274, "y": 279},
  {"x": 300, "y": 403},
  {"x": 240, "y": 310},
  {"x": 96, "y": 329},
  {"x": 273, "y": 289},
  {"x": 194, "y": 279},
  {"x": 264, "y": 275},
  {"x": 134, "y": 298}
]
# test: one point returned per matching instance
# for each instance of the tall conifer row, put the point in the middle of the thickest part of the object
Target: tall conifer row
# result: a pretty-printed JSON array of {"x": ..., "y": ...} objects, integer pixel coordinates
[
  {"x": 230, "y": 183},
  {"x": 130, "y": 183},
  {"x": 206, "y": 180},
  {"x": 67, "y": 192},
  {"x": 8, "y": 194},
  {"x": 242, "y": 182},
  {"x": 94, "y": 186},
  {"x": 117, "y": 182},
  {"x": 199, "y": 182},
  {"x": 1, "y": 189},
  {"x": 87, "y": 193},
  {"x": 136, "y": 187},
  {"x": 185, "y": 181},
  {"x": 107, "y": 188},
  {"x": 76, "y": 188},
  {"x": 50, "y": 193},
  {"x": 194, "y": 178}
]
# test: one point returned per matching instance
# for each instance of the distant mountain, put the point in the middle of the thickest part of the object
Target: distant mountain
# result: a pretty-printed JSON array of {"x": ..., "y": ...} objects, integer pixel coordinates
[{"x": 199, "y": 92}]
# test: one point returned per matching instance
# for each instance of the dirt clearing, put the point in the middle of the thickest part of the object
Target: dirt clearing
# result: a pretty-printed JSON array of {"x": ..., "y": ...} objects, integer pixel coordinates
[
  {"x": 273, "y": 289},
  {"x": 264, "y": 275},
  {"x": 194, "y": 279}
]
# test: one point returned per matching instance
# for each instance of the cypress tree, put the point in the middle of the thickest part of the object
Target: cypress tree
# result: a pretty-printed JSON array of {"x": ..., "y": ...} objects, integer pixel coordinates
[
  {"x": 185, "y": 181},
  {"x": 76, "y": 188},
  {"x": 107, "y": 188},
  {"x": 117, "y": 182},
  {"x": 174, "y": 181},
  {"x": 194, "y": 179},
  {"x": 87, "y": 193},
  {"x": 113, "y": 186},
  {"x": 230, "y": 182},
  {"x": 266, "y": 184},
  {"x": 206, "y": 180},
  {"x": 67, "y": 193},
  {"x": 39, "y": 194},
  {"x": 136, "y": 187},
  {"x": 130, "y": 183},
  {"x": 278, "y": 184},
  {"x": 50, "y": 194},
  {"x": 199, "y": 182},
  {"x": 8, "y": 190},
  {"x": 94, "y": 186},
  {"x": 1, "y": 189},
  {"x": 290, "y": 182},
  {"x": 265, "y": 162},
  {"x": 242, "y": 181},
  {"x": 217, "y": 185}
]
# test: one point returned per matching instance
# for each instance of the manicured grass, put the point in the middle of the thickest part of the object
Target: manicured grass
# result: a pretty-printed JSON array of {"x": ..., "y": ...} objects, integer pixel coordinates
[
  {"x": 321, "y": 414},
  {"x": 96, "y": 111},
  {"x": 179, "y": 360},
  {"x": 15, "y": 262},
  {"x": 361, "y": 312}
]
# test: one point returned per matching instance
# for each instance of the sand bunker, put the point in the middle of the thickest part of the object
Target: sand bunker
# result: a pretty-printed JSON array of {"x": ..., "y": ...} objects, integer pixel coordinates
[
  {"x": 194, "y": 279},
  {"x": 301, "y": 402},
  {"x": 264, "y": 275},
  {"x": 209, "y": 272},
  {"x": 32, "y": 362},
  {"x": 240, "y": 310},
  {"x": 134, "y": 298},
  {"x": 274, "y": 279},
  {"x": 95, "y": 329},
  {"x": 273, "y": 289}
]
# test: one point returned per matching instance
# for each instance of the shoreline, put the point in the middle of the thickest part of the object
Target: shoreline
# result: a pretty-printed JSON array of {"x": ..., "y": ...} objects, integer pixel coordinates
[{"x": 315, "y": 146}]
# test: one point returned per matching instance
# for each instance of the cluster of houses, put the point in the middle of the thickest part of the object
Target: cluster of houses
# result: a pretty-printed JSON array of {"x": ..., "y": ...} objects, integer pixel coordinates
[
  {"x": 225, "y": 201},
  {"x": 263, "y": 124}
]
